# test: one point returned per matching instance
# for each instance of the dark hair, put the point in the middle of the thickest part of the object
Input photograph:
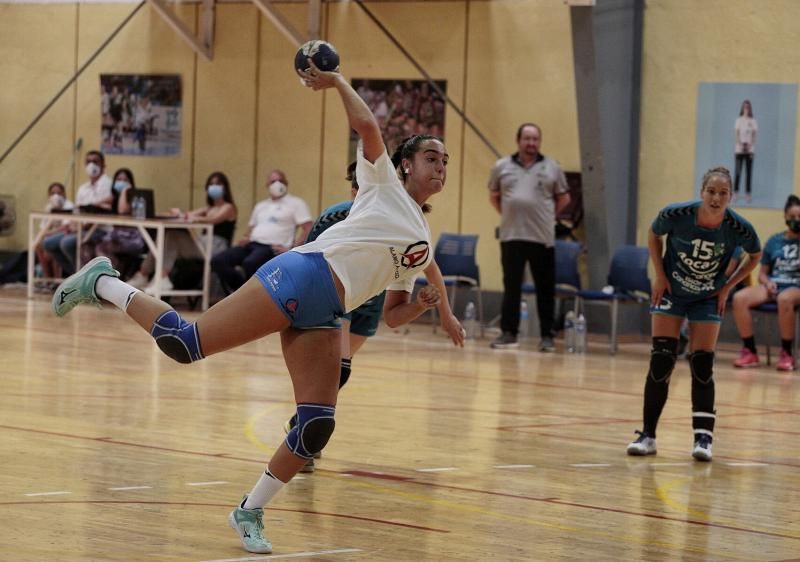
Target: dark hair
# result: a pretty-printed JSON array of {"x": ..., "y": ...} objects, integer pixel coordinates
[
  {"x": 791, "y": 201},
  {"x": 718, "y": 171},
  {"x": 750, "y": 105},
  {"x": 351, "y": 175},
  {"x": 115, "y": 193},
  {"x": 407, "y": 148},
  {"x": 226, "y": 192},
  {"x": 59, "y": 184},
  {"x": 521, "y": 127},
  {"x": 99, "y": 154}
]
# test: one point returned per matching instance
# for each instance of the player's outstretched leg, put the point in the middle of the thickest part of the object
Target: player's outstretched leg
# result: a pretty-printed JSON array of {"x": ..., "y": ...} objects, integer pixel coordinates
[{"x": 79, "y": 288}]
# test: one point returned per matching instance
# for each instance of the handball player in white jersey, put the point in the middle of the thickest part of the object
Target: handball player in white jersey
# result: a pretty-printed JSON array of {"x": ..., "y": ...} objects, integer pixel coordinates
[{"x": 384, "y": 243}]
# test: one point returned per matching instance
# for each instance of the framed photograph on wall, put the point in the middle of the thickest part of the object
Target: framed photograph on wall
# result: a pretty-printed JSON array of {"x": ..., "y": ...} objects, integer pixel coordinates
[
  {"x": 750, "y": 129},
  {"x": 140, "y": 114},
  {"x": 403, "y": 108}
]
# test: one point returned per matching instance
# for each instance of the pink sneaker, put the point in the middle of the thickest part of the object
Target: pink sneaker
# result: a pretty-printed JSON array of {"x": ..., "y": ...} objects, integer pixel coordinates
[
  {"x": 746, "y": 359},
  {"x": 785, "y": 362}
]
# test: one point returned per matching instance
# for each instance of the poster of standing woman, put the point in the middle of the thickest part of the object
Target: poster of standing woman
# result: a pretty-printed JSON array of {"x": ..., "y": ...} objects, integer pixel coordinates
[{"x": 750, "y": 129}]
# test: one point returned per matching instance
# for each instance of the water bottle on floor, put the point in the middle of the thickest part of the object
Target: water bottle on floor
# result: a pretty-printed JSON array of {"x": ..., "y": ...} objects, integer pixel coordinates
[
  {"x": 569, "y": 331},
  {"x": 470, "y": 324},
  {"x": 524, "y": 320},
  {"x": 580, "y": 334}
]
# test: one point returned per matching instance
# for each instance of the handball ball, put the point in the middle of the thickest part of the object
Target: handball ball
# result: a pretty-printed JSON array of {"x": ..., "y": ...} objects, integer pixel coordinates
[{"x": 322, "y": 53}]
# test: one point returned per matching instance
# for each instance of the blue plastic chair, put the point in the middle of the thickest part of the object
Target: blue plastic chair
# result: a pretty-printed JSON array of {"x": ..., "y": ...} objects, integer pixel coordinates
[
  {"x": 455, "y": 256},
  {"x": 628, "y": 276}
]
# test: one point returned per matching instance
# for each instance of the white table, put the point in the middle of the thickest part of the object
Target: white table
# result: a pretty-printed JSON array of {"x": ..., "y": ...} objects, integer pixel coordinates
[{"x": 202, "y": 233}]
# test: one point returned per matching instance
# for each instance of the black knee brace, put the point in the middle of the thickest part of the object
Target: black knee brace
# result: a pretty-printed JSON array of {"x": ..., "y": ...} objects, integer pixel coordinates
[
  {"x": 702, "y": 366},
  {"x": 662, "y": 359},
  {"x": 314, "y": 428}
]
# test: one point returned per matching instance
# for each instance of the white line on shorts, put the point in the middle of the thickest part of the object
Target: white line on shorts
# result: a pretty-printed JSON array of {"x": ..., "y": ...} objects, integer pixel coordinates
[
  {"x": 48, "y": 494},
  {"x": 126, "y": 488},
  {"x": 283, "y": 556},
  {"x": 214, "y": 483},
  {"x": 514, "y": 466},
  {"x": 446, "y": 469}
]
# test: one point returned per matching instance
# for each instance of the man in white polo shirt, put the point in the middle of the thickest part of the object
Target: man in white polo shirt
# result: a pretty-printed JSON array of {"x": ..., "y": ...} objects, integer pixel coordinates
[
  {"x": 276, "y": 225},
  {"x": 528, "y": 189}
]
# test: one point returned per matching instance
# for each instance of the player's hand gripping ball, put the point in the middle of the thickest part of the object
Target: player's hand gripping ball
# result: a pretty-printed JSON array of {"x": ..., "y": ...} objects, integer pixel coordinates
[{"x": 321, "y": 52}]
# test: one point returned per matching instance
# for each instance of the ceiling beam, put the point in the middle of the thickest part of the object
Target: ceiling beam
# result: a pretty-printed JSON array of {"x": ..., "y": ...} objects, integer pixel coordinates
[
  {"x": 204, "y": 47},
  {"x": 283, "y": 25}
]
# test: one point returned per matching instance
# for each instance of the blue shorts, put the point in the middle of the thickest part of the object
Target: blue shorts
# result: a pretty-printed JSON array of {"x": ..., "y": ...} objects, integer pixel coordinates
[
  {"x": 696, "y": 310},
  {"x": 302, "y": 287}
]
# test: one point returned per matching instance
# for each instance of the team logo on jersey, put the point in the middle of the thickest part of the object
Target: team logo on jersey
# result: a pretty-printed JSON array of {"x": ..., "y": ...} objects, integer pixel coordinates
[{"x": 415, "y": 254}]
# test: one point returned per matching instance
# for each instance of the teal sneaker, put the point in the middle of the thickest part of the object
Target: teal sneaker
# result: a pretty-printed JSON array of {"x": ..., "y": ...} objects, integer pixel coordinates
[
  {"x": 248, "y": 524},
  {"x": 79, "y": 287}
]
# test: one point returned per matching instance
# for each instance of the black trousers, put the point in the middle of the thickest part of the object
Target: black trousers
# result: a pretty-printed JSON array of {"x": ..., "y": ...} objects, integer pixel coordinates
[
  {"x": 747, "y": 159},
  {"x": 250, "y": 256},
  {"x": 542, "y": 261}
]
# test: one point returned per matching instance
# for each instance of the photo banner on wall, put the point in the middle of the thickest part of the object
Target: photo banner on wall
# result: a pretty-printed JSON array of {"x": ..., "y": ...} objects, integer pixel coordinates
[
  {"x": 750, "y": 129},
  {"x": 403, "y": 108},
  {"x": 141, "y": 114}
]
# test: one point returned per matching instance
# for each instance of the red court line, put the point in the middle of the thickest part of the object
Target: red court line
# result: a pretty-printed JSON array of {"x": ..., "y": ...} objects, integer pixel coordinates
[
  {"x": 399, "y": 479},
  {"x": 228, "y": 506},
  {"x": 104, "y": 335}
]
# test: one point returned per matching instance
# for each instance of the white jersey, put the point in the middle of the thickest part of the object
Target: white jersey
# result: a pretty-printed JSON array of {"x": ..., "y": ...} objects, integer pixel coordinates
[
  {"x": 384, "y": 242},
  {"x": 275, "y": 221}
]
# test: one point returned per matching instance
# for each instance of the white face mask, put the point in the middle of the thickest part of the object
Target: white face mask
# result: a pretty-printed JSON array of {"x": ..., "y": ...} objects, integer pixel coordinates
[
  {"x": 56, "y": 201},
  {"x": 93, "y": 169},
  {"x": 278, "y": 189}
]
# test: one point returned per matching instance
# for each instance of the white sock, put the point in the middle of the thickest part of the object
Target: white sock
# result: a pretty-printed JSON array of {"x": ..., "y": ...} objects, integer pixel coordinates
[
  {"x": 117, "y": 292},
  {"x": 264, "y": 490}
]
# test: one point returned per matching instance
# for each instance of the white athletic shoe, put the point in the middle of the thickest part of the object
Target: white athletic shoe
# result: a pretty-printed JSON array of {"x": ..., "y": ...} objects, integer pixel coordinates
[
  {"x": 702, "y": 447},
  {"x": 643, "y": 445}
]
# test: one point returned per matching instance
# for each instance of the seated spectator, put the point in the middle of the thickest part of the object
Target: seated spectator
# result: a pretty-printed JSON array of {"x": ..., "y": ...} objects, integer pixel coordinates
[
  {"x": 779, "y": 281},
  {"x": 220, "y": 210},
  {"x": 56, "y": 202},
  {"x": 123, "y": 244},
  {"x": 276, "y": 225},
  {"x": 92, "y": 195}
]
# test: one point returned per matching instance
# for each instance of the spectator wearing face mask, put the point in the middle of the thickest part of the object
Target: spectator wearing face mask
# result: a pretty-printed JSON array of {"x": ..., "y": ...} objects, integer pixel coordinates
[
  {"x": 57, "y": 202},
  {"x": 277, "y": 224},
  {"x": 95, "y": 193},
  {"x": 123, "y": 244},
  {"x": 220, "y": 211}
]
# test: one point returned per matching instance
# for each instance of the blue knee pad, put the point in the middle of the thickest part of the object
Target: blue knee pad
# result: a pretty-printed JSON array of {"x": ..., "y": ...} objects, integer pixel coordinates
[
  {"x": 177, "y": 338},
  {"x": 314, "y": 427}
]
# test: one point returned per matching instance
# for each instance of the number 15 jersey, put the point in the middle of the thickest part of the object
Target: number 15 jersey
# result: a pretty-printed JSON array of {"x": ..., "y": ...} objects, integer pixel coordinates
[{"x": 696, "y": 257}]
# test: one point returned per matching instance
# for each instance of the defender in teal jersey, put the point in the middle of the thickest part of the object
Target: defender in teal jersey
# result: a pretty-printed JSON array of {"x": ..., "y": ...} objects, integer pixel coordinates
[
  {"x": 362, "y": 323},
  {"x": 691, "y": 282},
  {"x": 779, "y": 282}
]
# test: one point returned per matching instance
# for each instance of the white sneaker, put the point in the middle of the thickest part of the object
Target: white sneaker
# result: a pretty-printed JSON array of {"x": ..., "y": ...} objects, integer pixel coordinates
[
  {"x": 138, "y": 281},
  {"x": 702, "y": 447},
  {"x": 165, "y": 285},
  {"x": 643, "y": 445}
]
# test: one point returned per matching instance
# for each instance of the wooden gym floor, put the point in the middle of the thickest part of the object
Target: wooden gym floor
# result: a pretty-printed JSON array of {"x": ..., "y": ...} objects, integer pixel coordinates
[{"x": 110, "y": 451}]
